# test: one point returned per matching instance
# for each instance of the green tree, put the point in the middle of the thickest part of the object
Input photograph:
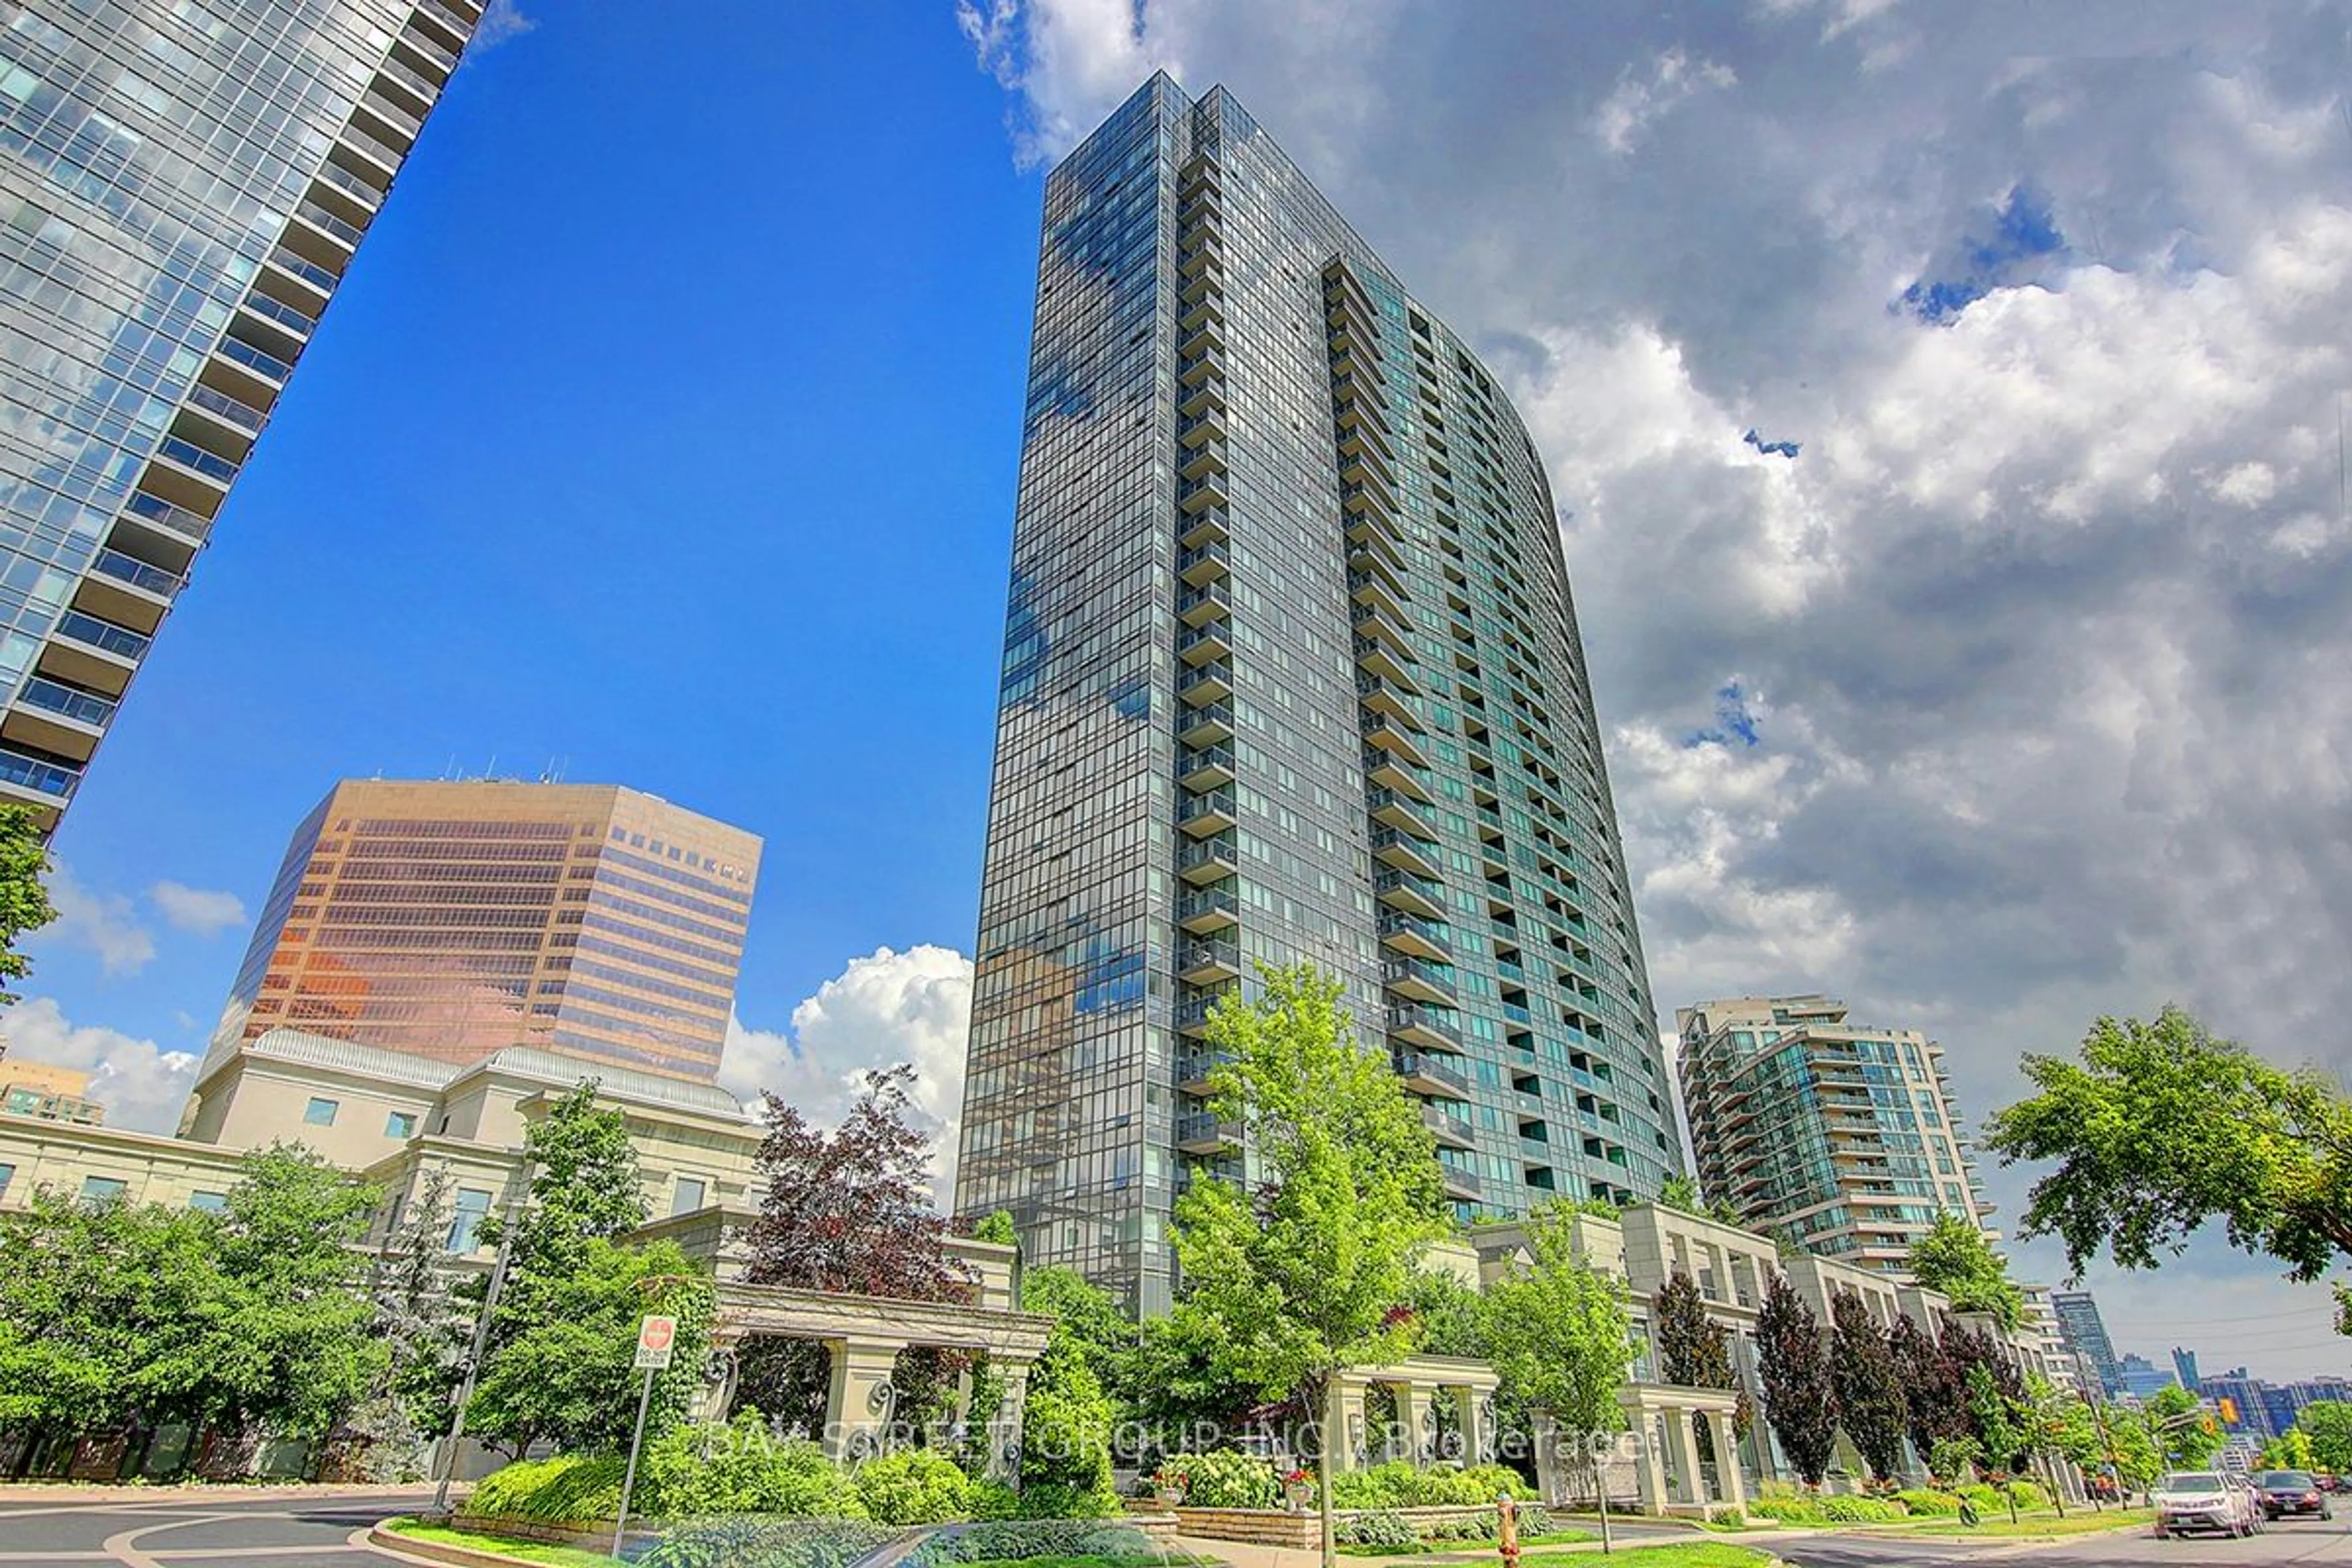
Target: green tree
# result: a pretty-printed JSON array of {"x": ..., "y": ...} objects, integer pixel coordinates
[
  {"x": 2162, "y": 1127},
  {"x": 1955, "y": 1259},
  {"x": 1799, "y": 1399},
  {"x": 1694, "y": 1349},
  {"x": 1681, "y": 1192},
  {"x": 2328, "y": 1425},
  {"x": 23, "y": 899},
  {"x": 417, "y": 1322},
  {"x": 584, "y": 1186},
  {"x": 565, "y": 1376},
  {"x": 1065, "y": 1460},
  {"x": 2130, "y": 1448},
  {"x": 1996, "y": 1423},
  {"x": 2058, "y": 1425},
  {"x": 1298, "y": 1281},
  {"x": 2291, "y": 1450},
  {"x": 1868, "y": 1384},
  {"x": 1559, "y": 1333},
  {"x": 2189, "y": 1437}
]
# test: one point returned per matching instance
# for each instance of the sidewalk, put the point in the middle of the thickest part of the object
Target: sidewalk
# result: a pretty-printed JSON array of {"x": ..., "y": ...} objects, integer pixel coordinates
[{"x": 106, "y": 1492}]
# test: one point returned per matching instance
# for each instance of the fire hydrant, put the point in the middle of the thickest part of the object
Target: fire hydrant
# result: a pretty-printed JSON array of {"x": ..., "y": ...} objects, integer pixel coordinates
[{"x": 1507, "y": 1513}]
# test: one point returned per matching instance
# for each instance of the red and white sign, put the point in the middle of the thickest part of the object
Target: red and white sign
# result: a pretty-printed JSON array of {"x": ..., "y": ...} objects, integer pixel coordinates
[{"x": 656, "y": 1337}]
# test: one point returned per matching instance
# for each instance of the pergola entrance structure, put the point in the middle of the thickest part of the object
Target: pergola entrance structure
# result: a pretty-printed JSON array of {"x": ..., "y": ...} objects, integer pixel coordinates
[
  {"x": 1417, "y": 1384},
  {"x": 864, "y": 1335}
]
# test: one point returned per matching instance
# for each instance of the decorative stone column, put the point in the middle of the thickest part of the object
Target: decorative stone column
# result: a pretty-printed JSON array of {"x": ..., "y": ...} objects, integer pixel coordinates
[
  {"x": 1418, "y": 1420},
  {"x": 1730, "y": 1485},
  {"x": 1650, "y": 1470},
  {"x": 1473, "y": 1413},
  {"x": 714, "y": 1397},
  {"x": 857, "y": 1407},
  {"x": 1691, "y": 1482},
  {"x": 1551, "y": 1467},
  {"x": 1344, "y": 1424},
  {"x": 1005, "y": 1426}
]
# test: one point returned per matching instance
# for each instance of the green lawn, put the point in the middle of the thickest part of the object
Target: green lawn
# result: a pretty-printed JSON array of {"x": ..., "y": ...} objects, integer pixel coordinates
[{"x": 506, "y": 1546}]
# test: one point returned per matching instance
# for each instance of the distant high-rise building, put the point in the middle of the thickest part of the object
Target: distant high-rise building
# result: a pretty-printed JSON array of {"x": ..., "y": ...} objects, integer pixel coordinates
[
  {"x": 1291, "y": 672},
  {"x": 452, "y": 920},
  {"x": 47, "y": 1092},
  {"x": 2086, "y": 1336},
  {"x": 1837, "y": 1135},
  {"x": 2142, "y": 1378},
  {"x": 182, "y": 187},
  {"x": 2184, "y": 1366}
]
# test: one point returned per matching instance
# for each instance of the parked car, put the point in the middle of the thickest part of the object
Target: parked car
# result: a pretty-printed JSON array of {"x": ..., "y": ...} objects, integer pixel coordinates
[
  {"x": 2188, "y": 1500},
  {"x": 2285, "y": 1492}
]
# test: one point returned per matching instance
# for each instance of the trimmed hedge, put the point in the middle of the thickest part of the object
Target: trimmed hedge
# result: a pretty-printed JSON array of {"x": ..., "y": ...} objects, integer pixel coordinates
[
  {"x": 1400, "y": 1484},
  {"x": 766, "y": 1543},
  {"x": 1922, "y": 1502},
  {"x": 560, "y": 1491},
  {"x": 1225, "y": 1478}
]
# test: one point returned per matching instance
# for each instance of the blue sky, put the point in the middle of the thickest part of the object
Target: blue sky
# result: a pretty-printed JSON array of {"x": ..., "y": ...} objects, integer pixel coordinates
[{"x": 666, "y": 427}]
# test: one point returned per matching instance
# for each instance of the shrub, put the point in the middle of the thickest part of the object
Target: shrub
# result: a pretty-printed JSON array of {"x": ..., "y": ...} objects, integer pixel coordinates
[
  {"x": 994, "y": 1500},
  {"x": 913, "y": 1485},
  {"x": 568, "y": 1488},
  {"x": 2029, "y": 1494},
  {"x": 1225, "y": 1478},
  {"x": 1066, "y": 1440},
  {"x": 1859, "y": 1510},
  {"x": 1536, "y": 1521},
  {"x": 1381, "y": 1527},
  {"x": 1399, "y": 1483},
  {"x": 1922, "y": 1502},
  {"x": 1785, "y": 1503},
  {"x": 1985, "y": 1496},
  {"x": 700, "y": 1471},
  {"x": 1011, "y": 1541},
  {"x": 1052, "y": 1500},
  {"x": 766, "y": 1543}
]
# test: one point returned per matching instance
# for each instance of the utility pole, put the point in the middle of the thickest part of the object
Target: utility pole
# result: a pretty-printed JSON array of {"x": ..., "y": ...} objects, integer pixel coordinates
[{"x": 449, "y": 1465}]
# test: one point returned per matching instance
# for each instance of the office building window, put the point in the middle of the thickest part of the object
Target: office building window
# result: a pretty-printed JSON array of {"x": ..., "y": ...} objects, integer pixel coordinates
[
  {"x": 320, "y": 1112},
  {"x": 401, "y": 1124},
  {"x": 472, "y": 1204},
  {"x": 209, "y": 1203},
  {"x": 102, "y": 1189},
  {"x": 687, "y": 1197},
  {"x": 8, "y": 1175}
]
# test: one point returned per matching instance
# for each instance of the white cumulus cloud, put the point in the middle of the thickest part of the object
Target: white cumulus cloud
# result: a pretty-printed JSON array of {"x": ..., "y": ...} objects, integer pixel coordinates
[
  {"x": 107, "y": 924},
  {"x": 197, "y": 910},
  {"x": 885, "y": 1008},
  {"x": 142, "y": 1084}
]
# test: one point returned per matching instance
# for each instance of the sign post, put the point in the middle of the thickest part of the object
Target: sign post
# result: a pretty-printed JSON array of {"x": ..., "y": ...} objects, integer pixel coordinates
[{"x": 656, "y": 1339}]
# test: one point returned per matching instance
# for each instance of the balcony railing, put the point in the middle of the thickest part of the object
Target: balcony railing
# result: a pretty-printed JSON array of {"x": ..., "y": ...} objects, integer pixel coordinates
[
  {"x": 1412, "y": 1066},
  {"x": 130, "y": 569},
  {"x": 424, "y": 85},
  {"x": 188, "y": 454},
  {"x": 447, "y": 17},
  {"x": 310, "y": 212},
  {"x": 242, "y": 414},
  {"x": 178, "y": 518},
  {"x": 343, "y": 180},
  {"x": 267, "y": 365},
  {"x": 284, "y": 314},
  {"x": 53, "y": 697},
  {"x": 310, "y": 272},
  {"x": 31, "y": 773},
  {"x": 382, "y": 151},
  {"x": 106, "y": 634}
]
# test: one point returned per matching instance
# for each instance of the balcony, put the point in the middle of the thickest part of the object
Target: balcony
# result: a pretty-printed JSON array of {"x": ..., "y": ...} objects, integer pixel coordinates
[
  {"x": 1394, "y": 847},
  {"x": 334, "y": 183},
  {"x": 1208, "y": 768},
  {"x": 1203, "y": 814},
  {"x": 1204, "y": 1134},
  {"x": 1194, "y": 431},
  {"x": 280, "y": 328},
  {"x": 1207, "y": 962},
  {"x": 1199, "y": 645},
  {"x": 1377, "y": 590},
  {"x": 122, "y": 588},
  {"x": 1210, "y": 457},
  {"x": 1209, "y": 684},
  {"x": 1209, "y": 912},
  {"x": 1205, "y": 308},
  {"x": 1203, "y": 494},
  {"x": 1388, "y": 735},
  {"x": 1415, "y": 937},
  {"x": 395, "y": 80},
  {"x": 1413, "y": 894},
  {"x": 186, "y": 457},
  {"x": 299, "y": 274},
  {"x": 1209, "y": 397},
  {"x": 1396, "y": 810},
  {"x": 1206, "y": 726},
  {"x": 92, "y": 653},
  {"x": 1388, "y": 770},
  {"x": 335, "y": 238},
  {"x": 1461, "y": 1185},
  {"x": 1212, "y": 525},
  {"x": 1198, "y": 606},
  {"x": 41, "y": 780},
  {"x": 1418, "y": 1026},
  {"x": 1426, "y": 1073},
  {"x": 1207, "y": 564},
  {"x": 1201, "y": 368},
  {"x": 1208, "y": 861},
  {"x": 1384, "y": 696},
  {"x": 1193, "y": 1067},
  {"x": 54, "y": 716},
  {"x": 431, "y": 53},
  {"x": 232, "y": 417},
  {"x": 175, "y": 523},
  {"x": 1450, "y": 1131}
]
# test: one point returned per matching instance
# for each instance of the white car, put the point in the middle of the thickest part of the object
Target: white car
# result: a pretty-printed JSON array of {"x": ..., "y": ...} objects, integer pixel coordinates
[{"x": 2190, "y": 1500}]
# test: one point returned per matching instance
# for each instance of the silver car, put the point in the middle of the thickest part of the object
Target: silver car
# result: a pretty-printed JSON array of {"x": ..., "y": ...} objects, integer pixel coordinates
[{"x": 2201, "y": 1501}]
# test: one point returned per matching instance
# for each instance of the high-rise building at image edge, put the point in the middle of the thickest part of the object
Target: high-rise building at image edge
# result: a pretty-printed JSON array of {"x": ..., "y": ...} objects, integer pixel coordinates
[
  {"x": 183, "y": 184},
  {"x": 1291, "y": 672},
  {"x": 450, "y": 920}
]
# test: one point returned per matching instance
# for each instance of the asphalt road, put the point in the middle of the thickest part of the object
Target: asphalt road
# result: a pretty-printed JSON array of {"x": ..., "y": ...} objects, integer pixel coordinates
[
  {"x": 2303, "y": 1542},
  {"x": 310, "y": 1532}
]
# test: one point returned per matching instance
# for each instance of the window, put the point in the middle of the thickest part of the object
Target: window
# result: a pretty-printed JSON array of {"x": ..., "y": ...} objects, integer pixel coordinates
[
  {"x": 400, "y": 1124},
  {"x": 102, "y": 1189},
  {"x": 208, "y": 1203},
  {"x": 473, "y": 1204},
  {"x": 8, "y": 1175},
  {"x": 320, "y": 1112},
  {"x": 687, "y": 1197}
]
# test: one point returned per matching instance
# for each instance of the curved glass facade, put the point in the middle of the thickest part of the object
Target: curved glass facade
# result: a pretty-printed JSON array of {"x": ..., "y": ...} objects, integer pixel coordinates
[{"x": 1291, "y": 671}]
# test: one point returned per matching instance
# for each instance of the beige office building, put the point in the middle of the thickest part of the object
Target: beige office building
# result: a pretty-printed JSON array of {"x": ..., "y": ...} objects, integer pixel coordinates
[
  {"x": 48, "y": 1091},
  {"x": 1839, "y": 1136},
  {"x": 449, "y": 920}
]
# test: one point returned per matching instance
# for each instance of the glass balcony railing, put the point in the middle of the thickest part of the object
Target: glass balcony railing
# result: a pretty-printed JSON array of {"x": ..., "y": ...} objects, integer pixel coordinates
[
  {"x": 99, "y": 634},
  {"x": 399, "y": 119},
  {"x": 53, "y": 697},
  {"x": 188, "y": 454},
  {"x": 381, "y": 152},
  {"x": 1224, "y": 956},
  {"x": 1194, "y": 1066},
  {"x": 1411, "y": 1019},
  {"x": 1413, "y": 1065},
  {"x": 423, "y": 85},
  {"x": 1396, "y": 922},
  {"x": 310, "y": 272},
  {"x": 430, "y": 50},
  {"x": 1216, "y": 803},
  {"x": 311, "y": 213},
  {"x": 343, "y": 180},
  {"x": 33, "y": 773},
  {"x": 130, "y": 569},
  {"x": 1211, "y": 902},
  {"x": 1203, "y": 1128},
  {"x": 178, "y": 518},
  {"x": 285, "y": 315},
  {"x": 1394, "y": 881},
  {"x": 267, "y": 365},
  {"x": 243, "y": 416},
  {"x": 447, "y": 17}
]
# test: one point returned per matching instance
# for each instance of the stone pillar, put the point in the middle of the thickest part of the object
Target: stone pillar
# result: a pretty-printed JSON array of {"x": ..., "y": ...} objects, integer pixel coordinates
[
  {"x": 1005, "y": 1426},
  {"x": 857, "y": 1407},
  {"x": 1730, "y": 1485},
  {"x": 1471, "y": 1413},
  {"x": 715, "y": 1397},
  {"x": 1691, "y": 1485},
  {"x": 1649, "y": 1458},
  {"x": 1344, "y": 1424},
  {"x": 1552, "y": 1477},
  {"x": 1418, "y": 1419}
]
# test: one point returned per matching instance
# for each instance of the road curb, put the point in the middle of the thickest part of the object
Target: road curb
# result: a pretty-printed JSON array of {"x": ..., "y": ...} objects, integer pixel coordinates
[{"x": 416, "y": 1550}]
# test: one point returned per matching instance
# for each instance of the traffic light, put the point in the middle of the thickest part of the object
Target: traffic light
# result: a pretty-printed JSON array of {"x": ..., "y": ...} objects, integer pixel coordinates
[{"x": 2228, "y": 1410}]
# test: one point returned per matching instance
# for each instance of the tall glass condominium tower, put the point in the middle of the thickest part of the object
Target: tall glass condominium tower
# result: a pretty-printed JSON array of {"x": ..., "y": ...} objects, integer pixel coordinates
[
  {"x": 1290, "y": 673},
  {"x": 183, "y": 183}
]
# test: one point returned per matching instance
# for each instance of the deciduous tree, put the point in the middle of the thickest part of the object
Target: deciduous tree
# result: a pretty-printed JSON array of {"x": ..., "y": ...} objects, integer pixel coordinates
[
  {"x": 1298, "y": 1280},
  {"x": 24, "y": 901},
  {"x": 1800, "y": 1400},
  {"x": 2328, "y": 1425},
  {"x": 2161, "y": 1127},
  {"x": 2187, "y": 1435},
  {"x": 1935, "y": 1408},
  {"x": 1559, "y": 1333},
  {"x": 1869, "y": 1385},
  {"x": 1953, "y": 1257}
]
